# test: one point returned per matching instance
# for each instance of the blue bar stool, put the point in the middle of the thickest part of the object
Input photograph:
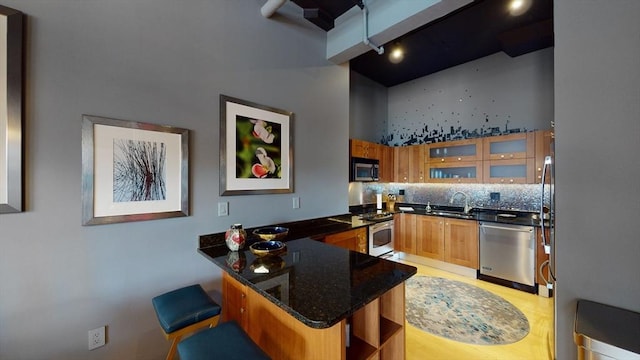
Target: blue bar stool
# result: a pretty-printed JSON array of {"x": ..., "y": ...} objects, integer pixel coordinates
[
  {"x": 184, "y": 311},
  {"x": 226, "y": 341}
]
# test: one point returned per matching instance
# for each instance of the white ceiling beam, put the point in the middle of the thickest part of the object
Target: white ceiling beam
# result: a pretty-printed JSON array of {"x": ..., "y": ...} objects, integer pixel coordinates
[{"x": 388, "y": 20}]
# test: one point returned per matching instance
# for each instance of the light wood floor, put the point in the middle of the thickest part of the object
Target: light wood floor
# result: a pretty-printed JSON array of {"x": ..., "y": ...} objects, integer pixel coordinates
[{"x": 422, "y": 345}]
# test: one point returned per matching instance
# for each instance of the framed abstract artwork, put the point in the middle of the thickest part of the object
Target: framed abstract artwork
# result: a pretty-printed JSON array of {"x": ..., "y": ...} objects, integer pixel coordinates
[
  {"x": 133, "y": 171},
  {"x": 256, "y": 152},
  {"x": 11, "y": 103}
]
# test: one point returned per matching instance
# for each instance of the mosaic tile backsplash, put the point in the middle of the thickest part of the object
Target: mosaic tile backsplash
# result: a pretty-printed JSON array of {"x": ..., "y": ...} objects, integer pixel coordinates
[{"x": 524, "y": 197}]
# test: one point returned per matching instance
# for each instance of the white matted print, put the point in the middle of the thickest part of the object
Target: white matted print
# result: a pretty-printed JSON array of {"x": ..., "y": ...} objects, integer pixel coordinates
[
  {"x": 256, "y": 155},
  {"x": 133, "y": 171}
]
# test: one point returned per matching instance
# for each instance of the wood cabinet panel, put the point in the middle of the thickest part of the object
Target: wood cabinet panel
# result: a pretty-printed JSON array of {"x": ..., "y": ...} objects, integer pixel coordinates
[
  {"x": 386, "y": 163},
  {"x": 430, "y": 237},
  {"x": 544, "y": 139},
  {"x": 282, "y": 336},
  {"x": 405, "y": 232},
  {"x": 409, "y": 164},
  {"x": 461, "y": 242},
  {"x": 234, "y": 300},
  {"x": 451, "y": 240},
  {"x": 377, "y": 329},
  {"x": 355, "y": 240},
  {"x": 363, "y": 149}
]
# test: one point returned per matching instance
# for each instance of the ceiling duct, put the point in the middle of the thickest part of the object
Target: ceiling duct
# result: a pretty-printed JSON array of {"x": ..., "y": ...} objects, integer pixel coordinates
[
  {"x": 270, "y": 7},
  {"x": 365, "y": 22}
]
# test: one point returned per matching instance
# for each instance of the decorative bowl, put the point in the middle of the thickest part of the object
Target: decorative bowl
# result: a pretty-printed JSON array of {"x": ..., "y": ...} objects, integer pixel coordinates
[
  {"x": 271, "y": 232},
  {"x": 264, "y": 248}
]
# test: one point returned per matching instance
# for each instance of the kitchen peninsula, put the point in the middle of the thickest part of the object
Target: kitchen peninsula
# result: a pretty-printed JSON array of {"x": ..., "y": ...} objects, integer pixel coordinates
[{"x": 315, "y": 301}]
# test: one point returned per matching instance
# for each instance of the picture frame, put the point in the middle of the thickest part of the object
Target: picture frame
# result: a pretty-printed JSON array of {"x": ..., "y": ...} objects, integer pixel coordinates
[
  {"x": 11, "y": 110},
  {"x": 256, "y": 151},
  {"x": 133, "y": 171}
]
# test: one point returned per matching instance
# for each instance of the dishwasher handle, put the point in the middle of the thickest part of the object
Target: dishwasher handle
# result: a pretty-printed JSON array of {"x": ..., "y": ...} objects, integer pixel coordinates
[{"x": 484, "y": 226}]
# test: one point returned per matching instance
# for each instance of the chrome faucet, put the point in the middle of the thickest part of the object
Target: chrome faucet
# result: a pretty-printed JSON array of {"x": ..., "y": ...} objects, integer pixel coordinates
[{"x": 467, "y": 208}]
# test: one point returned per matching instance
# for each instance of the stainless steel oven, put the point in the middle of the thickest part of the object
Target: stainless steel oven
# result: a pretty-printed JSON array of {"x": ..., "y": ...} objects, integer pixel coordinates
[{"x": 381, "y": 238}]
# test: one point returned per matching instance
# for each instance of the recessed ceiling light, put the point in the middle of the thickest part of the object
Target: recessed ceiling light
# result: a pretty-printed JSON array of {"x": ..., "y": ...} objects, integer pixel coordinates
[{"x": 519, "y": 7}]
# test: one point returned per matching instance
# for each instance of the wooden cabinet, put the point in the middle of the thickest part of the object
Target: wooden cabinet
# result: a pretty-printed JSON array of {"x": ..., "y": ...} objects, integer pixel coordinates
[
  {"x": 369, "y": 150},
  {"x": 234, "y": 300},
  {"x": 512, "y": 171},
  {"x": 461, "y": 242},
  {"x": 451, "y": 240},
  {"x": 355, "y": 239},
  {"x": 458, "y": 172},
  {"x": 454, "y": 161},
  {"x": 509, "y": 159},
  {"x": 405, "y": 232},
  {"x": 543, "y": 148},
  {"x": 378, "y": 328},
  {"x": 430, "y": 237},
  {"x": 505, "y": 147},
  {"x": 363, "y": 149},
  {"x": 409, "y": 163},
  {"x": 454, "y": 151},
  {"x": 386, "y": 163}
]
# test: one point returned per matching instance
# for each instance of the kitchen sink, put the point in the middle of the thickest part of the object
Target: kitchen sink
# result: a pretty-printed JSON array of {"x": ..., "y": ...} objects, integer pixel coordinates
[{"x": 454, "y": 214}]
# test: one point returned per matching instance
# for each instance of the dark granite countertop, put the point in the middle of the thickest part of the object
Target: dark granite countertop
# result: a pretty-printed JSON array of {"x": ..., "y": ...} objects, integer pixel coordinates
[
  {"x": 317, "y": 283},
  {"x": 514, "y": 217},
  {"x": 316, "y": 228}
]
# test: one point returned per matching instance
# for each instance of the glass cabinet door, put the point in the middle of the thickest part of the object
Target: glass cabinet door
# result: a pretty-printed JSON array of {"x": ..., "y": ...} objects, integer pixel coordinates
[
  {"x": 459, "y": 172},
  {"x": 519, "y": 171},
  {"x": 454, "y": 151},
  {"x": 506, "y": 147}
]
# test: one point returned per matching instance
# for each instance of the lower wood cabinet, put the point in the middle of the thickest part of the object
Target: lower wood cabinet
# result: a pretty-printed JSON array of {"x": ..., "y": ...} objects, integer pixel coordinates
[
  {"x": 405, "y": 232},
  {"x": 355, "y": 239},
  {"x": 376, "y": 330},
  {"x": 234, "y": 300},
  {"x": 451, "y": 240},
  {"x": 461, "y": 242}
]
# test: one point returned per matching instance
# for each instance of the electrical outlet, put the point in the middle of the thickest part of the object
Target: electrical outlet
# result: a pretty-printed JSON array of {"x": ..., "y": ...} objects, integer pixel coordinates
[
  {"x": 296, "y": 202},
  {"x": 97, "y": 337},
  {"x": 223, "y": 208}
]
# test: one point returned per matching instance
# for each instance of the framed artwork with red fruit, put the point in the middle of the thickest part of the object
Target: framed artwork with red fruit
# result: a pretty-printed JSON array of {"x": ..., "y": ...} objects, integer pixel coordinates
[{"x": 256, "y": 155}]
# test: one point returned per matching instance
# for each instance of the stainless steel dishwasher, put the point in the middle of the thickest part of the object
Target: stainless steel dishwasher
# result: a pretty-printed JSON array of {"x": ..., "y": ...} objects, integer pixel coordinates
[{"x": 508, "y": 255}]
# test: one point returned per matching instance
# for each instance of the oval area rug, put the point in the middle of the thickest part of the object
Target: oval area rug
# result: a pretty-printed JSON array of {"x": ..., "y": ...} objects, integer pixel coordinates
[{"x": 462, "y": 312}]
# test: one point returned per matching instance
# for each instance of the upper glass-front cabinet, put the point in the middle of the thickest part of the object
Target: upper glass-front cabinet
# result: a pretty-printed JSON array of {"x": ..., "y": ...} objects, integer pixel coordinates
[
  {"x": 509, "y": 147},
  {"x": 455, "y": 151}
]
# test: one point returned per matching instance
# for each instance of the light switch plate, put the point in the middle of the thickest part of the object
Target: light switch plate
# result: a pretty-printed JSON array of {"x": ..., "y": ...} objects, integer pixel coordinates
[
  {"x": 223, "y": 208},
  {"x": 296, "y": 202}
]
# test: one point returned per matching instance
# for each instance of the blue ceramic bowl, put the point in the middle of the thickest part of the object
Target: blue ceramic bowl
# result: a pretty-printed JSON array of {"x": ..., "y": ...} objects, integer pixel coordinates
[
  {"x": 271, "y": 232},
  {"x": 264, "y": 248}
]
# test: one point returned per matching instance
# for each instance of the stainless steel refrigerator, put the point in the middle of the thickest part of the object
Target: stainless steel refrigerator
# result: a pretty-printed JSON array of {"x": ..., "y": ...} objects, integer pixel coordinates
[{"x": 547, "y": 270}]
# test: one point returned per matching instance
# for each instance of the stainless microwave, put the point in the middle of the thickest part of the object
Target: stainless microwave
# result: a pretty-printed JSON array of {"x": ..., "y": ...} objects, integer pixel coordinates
[{"x": 364, "y": 169}]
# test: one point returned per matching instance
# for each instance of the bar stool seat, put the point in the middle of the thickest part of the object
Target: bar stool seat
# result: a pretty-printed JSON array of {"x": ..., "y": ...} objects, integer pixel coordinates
[
  {"x": 184, "y": 311},
  {"x": 226, "y": 341}
]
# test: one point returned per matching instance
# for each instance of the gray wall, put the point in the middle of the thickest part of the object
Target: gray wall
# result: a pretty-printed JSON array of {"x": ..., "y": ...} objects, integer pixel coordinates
[
  {"x": 367, "y": 109},
  {"x": 165, "y": 62},
  {"x": 597, "y": 114}
]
